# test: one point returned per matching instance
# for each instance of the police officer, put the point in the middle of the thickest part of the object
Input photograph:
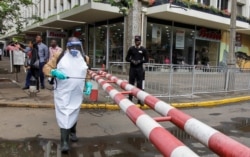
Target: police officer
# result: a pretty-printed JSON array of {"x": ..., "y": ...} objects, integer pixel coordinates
[{"x": 137, "y": 55}]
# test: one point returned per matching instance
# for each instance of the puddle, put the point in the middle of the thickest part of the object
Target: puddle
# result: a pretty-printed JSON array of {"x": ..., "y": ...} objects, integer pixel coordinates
[
  {"x": 215, "y": 114},
  {"x": 4, "y": 80},
  {"x": 3, "y": 71},
  {"x": 123, "y": 145},
  {"x": 108, "y": 146},
  {"x": 7, "y": 83}
]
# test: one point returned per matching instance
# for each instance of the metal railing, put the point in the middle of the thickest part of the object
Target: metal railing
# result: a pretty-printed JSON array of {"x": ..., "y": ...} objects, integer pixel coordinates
[{"x": 164, "y": 80}]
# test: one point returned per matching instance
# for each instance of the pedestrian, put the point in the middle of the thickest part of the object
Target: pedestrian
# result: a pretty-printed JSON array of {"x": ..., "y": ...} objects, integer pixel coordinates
[
  {"x": 1, "y": 53},
  {"x": 43, "y": 54},
  {"x": 166, "y": 60},
  {"x": 137, "y": 55},
  {"x": 68, "y": 92},
  {"x": 28, "y": 55},
  {"x": 53, "y": 48},
  {"x": 34, "y": 70}
]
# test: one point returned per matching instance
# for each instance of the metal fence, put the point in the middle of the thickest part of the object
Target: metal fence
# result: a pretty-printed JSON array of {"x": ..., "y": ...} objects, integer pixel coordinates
[{"x": 164, "y": 80}]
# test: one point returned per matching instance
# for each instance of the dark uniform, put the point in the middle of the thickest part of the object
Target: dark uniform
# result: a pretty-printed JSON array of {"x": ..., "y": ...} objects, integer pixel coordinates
[{"x": 137, "y": 55}]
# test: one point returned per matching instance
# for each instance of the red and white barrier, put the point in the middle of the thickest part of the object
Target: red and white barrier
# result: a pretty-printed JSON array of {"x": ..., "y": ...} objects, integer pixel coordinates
[
  {"x": 213, "y": 139},
  {"x": 164, "y": 141}
]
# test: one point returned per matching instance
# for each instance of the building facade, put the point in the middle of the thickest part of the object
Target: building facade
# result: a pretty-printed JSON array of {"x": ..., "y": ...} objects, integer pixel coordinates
[{"x": 181, "y": 30}]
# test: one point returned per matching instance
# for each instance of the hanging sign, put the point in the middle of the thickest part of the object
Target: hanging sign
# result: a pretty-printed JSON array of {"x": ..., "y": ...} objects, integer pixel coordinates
[
  {"x": 180, "y": 39},
  {"x": 56, "y": 34}
]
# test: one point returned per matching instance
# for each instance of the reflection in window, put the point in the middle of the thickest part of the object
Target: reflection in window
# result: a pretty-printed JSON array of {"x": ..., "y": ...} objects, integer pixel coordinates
[
  {"x": 183, "y": 40},
  {"x": 116, "y": 42},
  {"x": 158, "y": 42}
]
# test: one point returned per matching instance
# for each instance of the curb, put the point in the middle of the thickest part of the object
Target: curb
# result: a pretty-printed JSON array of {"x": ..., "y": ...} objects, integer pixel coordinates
[{"x": 211, "y": 103}]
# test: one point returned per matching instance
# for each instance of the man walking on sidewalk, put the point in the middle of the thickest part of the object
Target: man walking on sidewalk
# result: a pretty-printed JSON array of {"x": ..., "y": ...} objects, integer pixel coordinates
[
  {"x": 43, "y": 53},
  {"x": 137, "y": 55}
]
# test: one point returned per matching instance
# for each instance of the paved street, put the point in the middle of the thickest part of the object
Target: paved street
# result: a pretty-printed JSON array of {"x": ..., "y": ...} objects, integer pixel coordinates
[{"x": 103, "y": 131}]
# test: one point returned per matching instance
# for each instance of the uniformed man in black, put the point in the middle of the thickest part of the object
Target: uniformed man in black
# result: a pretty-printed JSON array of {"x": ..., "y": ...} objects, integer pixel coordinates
[{"x": 137, "y": 55}]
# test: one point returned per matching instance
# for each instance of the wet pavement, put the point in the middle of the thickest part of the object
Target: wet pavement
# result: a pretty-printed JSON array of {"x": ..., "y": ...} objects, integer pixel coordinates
[
  {"x": 122, "y": 145},
  {"x": 101, "y": 137}
]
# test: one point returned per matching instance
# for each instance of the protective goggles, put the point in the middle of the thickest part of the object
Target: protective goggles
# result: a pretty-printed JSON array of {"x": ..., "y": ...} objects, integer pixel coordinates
[{"x": 76, "y": 45}]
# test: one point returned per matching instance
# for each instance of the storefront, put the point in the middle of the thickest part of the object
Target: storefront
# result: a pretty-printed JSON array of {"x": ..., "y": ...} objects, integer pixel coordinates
[
  {"x": 102, "y": 34},
  {"x": 181, "y": 43}
]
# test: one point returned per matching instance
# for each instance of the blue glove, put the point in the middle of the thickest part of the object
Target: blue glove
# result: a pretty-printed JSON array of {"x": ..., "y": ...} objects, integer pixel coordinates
[
  {"x": 58, "y": 74},
  {"x": 88, "y": 88}
]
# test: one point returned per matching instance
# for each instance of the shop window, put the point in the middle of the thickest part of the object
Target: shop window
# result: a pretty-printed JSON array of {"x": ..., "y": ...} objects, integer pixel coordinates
[
  {"x": 158, "y": 42},
  {"x": 183, "y": 45},
  {"x": 207, "y": 46},
  {"x": 98, "y": 47},
  {"x": 116, "y": 42}
]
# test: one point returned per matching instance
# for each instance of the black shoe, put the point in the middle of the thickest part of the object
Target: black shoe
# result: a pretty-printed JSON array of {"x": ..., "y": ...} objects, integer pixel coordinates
[
  {"x": 42, "y": 87},
  {"x": 65, "y": 140},
  {"x": 25, "y": 88}
]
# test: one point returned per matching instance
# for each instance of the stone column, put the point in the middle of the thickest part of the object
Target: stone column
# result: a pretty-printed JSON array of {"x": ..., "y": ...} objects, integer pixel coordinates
[{"x": 132, "y": 25}]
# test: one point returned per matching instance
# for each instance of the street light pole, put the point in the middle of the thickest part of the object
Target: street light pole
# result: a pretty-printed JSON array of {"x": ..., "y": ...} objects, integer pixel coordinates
[{"x": 231, "y": 59}]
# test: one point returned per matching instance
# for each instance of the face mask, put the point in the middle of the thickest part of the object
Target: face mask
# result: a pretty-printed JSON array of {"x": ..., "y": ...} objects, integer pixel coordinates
[{"x": 74, "y": 52}]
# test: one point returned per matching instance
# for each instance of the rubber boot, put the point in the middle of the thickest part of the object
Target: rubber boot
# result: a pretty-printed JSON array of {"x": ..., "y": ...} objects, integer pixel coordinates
[
  {"x": 72, "y": 134},
  {"x": 65, "y": 140}
]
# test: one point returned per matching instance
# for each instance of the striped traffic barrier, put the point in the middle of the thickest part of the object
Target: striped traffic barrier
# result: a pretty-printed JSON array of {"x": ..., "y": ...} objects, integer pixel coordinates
[
  {"x": 163, "y": 140},
  {"x": 213, "y": 139}
]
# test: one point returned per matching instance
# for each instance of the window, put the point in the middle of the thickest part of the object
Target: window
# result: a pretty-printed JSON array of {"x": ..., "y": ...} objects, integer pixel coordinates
[
  {"x": 49, "y": 4},
  {"x": 239, "y": 9},
  {"x": 61, "y": 5},
  {"x": 44, "y": 6},
  {"x": 222, "y": 4},
  {"x": 206, "y": 2},
  {"x": 55, "y": 4}
]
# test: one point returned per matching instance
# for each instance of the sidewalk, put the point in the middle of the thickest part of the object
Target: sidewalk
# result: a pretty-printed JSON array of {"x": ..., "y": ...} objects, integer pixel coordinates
[{"x": 11, "y": 94}]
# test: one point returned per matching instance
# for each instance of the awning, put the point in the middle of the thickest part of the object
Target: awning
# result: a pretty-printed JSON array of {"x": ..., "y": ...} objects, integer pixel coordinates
[
  {"x": 190, "y": 16},
  {"x": 88, "y": 13}
]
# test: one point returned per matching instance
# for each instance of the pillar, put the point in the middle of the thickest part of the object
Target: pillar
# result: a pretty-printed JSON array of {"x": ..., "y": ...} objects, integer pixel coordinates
[{"x": 132, "y": 25}]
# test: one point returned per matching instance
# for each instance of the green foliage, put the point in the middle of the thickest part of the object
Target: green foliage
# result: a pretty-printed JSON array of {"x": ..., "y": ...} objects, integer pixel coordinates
[
  {"x": 123, "y": 5},
  {"x": 10, "y": 14}
]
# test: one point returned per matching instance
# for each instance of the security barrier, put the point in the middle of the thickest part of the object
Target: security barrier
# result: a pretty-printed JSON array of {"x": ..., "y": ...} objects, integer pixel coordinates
[
  {"x": 213, "y": 139},
  {"x": 163, "y": 140},
  {"x": 185, "y": 80}
]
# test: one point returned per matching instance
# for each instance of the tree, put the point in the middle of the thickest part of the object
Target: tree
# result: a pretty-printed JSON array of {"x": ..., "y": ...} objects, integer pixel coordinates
[
  {"x": 10, "y": 15},
  {"x": 123, "y": 5}
]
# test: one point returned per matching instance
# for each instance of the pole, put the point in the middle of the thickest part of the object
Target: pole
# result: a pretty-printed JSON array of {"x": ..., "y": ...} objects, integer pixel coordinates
[
  {"x": 207, "y": 135},
  {"x": 161, "y": 138},
  {"x": 231, "y": 59}
]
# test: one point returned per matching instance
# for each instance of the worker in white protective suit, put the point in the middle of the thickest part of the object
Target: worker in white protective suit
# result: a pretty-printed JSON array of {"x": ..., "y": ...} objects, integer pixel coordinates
[{"x": 70, "y": 72}]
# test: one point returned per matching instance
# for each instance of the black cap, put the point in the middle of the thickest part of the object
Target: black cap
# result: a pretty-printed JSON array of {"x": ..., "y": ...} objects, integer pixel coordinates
[{"x": 137, "y": 38}]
